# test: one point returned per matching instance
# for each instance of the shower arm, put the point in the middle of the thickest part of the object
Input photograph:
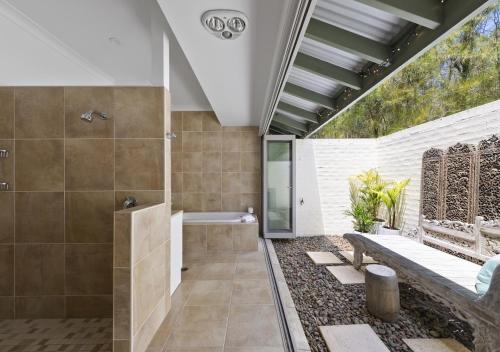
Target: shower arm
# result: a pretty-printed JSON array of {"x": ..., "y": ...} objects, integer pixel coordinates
[{"x": 89, "y": 115}]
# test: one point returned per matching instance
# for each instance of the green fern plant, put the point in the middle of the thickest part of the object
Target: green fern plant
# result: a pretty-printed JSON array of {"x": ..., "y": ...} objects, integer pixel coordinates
[
  {"x": 360, "y": 210},
  {"x": 393, "y": 197}
]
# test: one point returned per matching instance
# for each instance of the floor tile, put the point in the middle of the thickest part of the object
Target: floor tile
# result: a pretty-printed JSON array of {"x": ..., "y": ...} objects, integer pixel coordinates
[
  {"x": 251, "y": 292},
  {"x": 352, "y": 338},
  {"x": 202, "y": 313},
  {"x": 253, "y": 270},
  {"x": 321, "y": 258},
  {"x": 253, "y": 349},
  {"x": 210, "y": 292},
  {"x": 217, "y": 271},
  {"x": 435, "y": 345},
  {"x": 346, "y": 274},
  {"x": 253, "y": 326},
  {"x": 349, "y": 255},
  {"x": 251, "y": 257},
  {"x": 198, "y": 334}
]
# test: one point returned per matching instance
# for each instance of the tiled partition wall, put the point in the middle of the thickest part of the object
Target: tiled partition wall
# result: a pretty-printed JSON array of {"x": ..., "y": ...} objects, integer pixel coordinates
[
  {"x": 66, "y": 179},
  {"x": 214, "y": 168}
]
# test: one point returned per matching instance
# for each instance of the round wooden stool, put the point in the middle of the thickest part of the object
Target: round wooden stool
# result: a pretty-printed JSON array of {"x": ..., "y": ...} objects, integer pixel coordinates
[{"x": 382, "y": 292}]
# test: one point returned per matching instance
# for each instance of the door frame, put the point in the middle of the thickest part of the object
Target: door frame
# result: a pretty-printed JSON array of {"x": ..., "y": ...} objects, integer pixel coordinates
[{"x": 276, "y": 234}]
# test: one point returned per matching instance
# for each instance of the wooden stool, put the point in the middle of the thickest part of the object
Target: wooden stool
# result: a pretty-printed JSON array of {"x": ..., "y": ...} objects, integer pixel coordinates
[{"x": 382, "y": 292}]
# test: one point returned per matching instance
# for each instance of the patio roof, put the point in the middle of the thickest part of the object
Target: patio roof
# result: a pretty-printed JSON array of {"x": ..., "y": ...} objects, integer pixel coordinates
[{"x": 348, "y": 47}]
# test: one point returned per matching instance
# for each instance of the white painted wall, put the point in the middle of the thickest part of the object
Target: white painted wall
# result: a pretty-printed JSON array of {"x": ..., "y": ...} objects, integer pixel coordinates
[{"x": 324, "y": 165}]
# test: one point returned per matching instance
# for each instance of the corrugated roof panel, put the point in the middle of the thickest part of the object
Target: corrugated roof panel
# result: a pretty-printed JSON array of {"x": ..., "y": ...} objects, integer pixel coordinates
[
  {"x": 300, "y": 103},
  {"x": 313, "y": 82},
  {"x": 360, "y": 19},
  {"x": 332, "y": 55}
]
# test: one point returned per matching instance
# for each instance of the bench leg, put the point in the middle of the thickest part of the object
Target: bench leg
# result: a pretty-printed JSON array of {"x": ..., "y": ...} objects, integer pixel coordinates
[
  {"x": 358, "y": 258},
  {"x": 486, "y": 337}
]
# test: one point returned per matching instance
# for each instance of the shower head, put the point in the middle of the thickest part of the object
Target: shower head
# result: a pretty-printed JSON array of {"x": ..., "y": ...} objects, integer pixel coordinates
[{"x": 88, "y": 116}]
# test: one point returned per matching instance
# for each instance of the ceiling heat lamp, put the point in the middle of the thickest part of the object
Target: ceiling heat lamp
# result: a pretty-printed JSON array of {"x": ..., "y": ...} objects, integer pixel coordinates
[{"x": 224, "y": 24}]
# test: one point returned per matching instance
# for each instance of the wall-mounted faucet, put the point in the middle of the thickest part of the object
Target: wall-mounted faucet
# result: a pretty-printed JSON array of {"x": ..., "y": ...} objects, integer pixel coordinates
[
  {"x": 4, "y": 186},
  {"x": 88, "y": 116},
  {"x": 4, "y": 153},
  {"x": 170, "y": 135}
]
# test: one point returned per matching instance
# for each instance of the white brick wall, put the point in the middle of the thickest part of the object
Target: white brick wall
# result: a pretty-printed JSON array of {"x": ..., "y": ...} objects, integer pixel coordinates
[{"x": 324, "y": 165}]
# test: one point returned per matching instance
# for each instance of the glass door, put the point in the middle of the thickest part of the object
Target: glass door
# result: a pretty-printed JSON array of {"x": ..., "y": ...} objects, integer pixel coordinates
[{"x": 279, "y": 190}]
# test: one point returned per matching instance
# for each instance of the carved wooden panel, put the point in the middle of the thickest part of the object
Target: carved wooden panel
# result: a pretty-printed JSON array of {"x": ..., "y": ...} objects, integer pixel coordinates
[{"x": 489, "y": 178}]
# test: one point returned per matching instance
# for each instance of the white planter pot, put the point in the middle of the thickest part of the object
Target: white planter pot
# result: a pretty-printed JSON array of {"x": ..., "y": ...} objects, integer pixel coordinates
[
  {"x": 385, "y": 231},
  {"x": 376, "y": 226}
]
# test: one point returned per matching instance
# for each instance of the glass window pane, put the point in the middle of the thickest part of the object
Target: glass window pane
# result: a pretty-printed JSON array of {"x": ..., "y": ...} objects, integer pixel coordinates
[{"x": 279, "y": 186}]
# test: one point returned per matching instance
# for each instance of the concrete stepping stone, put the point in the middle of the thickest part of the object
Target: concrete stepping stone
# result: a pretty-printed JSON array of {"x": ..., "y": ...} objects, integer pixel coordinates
[
  {"x": 347, "y": 275},
  {"x": 352, "y": 338},
  {"x": 322, "y": 258},
  {"x": 435, "y": 345},
  {"x": 349, "y": 255}
]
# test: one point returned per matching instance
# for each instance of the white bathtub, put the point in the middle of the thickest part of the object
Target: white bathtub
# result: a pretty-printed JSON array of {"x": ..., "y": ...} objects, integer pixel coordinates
[{"x": 215, "y": 217}]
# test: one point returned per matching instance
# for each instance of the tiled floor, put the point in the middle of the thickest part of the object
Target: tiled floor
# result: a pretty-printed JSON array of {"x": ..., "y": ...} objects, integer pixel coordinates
[
  {"x": 224, "y": 304},
  {"x": 89, "y": 335}
]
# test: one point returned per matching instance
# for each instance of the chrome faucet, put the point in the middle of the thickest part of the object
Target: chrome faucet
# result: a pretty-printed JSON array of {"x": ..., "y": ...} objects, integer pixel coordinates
[
  {"x": 88, "y": 116},
  {"x": 4, "y": 153},
  {"x": 4, "y": 186}
]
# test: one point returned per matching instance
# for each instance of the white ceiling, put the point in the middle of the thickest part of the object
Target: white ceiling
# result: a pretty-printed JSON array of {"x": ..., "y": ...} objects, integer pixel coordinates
[
  {"x": 71, "y": 46},
  {"x": 234, "y": 74}
]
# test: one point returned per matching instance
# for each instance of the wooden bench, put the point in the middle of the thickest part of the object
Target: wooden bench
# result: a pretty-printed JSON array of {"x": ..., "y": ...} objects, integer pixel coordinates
[{"x": 446, "y": 278}]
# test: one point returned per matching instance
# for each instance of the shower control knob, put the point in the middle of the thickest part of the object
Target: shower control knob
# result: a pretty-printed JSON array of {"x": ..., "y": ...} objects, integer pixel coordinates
[
  {"x": 4, "y": 186},
  {"x": 4, "y": 153}
]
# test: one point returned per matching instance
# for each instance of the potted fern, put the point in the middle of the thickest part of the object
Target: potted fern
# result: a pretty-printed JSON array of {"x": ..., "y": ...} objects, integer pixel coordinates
[
  {"x": 360, "y": 209},
  {"x": 393, "y": 198},
  {"x": 371, "y": 183}
]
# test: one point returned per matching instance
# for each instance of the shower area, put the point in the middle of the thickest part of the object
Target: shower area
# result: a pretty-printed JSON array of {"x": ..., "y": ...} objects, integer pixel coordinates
[{"x": 69, "y": 158}]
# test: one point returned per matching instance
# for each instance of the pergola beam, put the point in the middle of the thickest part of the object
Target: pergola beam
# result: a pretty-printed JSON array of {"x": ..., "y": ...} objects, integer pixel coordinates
[
  {"x": 287, "y": 129},
  {"x": 426, "y": 13},
  {"x": 456, "y": 13},
  {"x": 291, "y": 110},
  {"x": 327, "y": 70},
  {"x": 309, "y": 95},
  {"x": 347, "y": 41},
  {"x": 290, "y": 122}
]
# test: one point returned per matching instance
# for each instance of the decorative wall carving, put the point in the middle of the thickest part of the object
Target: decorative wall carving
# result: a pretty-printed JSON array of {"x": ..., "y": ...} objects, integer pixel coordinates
[
  {"x": 432, "y": 173},
  {"x": 489, "y": 178}
]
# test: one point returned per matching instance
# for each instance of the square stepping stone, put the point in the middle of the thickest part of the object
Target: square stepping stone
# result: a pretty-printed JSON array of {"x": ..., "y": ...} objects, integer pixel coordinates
[
  {"x": 352, "y": 338},
  {"x": 435, "y": 345},
  {"x": 322, "y": 258},
  {"x": 349, "y": 255},
  {"x": 347, "y": 275}
]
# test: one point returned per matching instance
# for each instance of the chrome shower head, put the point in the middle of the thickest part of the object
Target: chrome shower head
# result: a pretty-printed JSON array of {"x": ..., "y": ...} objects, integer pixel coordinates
[{"x": 88, "y": 116}]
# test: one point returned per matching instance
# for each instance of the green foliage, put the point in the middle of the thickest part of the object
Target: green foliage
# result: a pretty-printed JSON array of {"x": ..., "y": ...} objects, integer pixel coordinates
[
  {"x": 371, "y": 182},
  {"x": 393, "y": 198},
  {"x": 362, "y": 218},
  {"x": 459, "y": 73}
]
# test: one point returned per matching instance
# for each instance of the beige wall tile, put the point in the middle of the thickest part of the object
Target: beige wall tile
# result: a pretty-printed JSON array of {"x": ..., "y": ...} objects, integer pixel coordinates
[
  {"x": 41, "y": 307},
  {"x": 250, "y": 142},
  {"x": 177, "y": 201},
  {"x": 39, "y": 217},
  {"x": 6, "y": 307},
  {"x": 251, "y": 200},
  {"x": 194, "y": 240},
  {"x": 192, "y": 120},
  {"x": 89, "y": 269},
  {"x": 142, "y": 197},
  {"x": 212, "y": 202},
  {"x": 212, "y": 162},
  {"x": 219, "y": 238},
  {"x": 121, "y": 302},
  {"x": 6, "y": 270},
  {"x": 138, "y": 112},
  {"x": 177, "y": 182},
  {"x": 210, "y": 122},
  {"x": 231, "y": 162},
  {"x": 176, "y": 123},
  {"x": 231, "y": 182},
  {"x": 39, "y": 165},
  {"x": 250, "y": 182},
  {"x": 39, "y": 112},
  {"x": 192, "y": 141},
  {"x": 122, "y": 238},
  {"x": 177, "y": 142},
  {"x": 7, "y": 217},
  {"x": 7, "y": 164},
  {"x": 212, "y": 141},
  {"x": 121, "y": 346},
  {"x": 6, "y": 113},
  {"x": 89, "y": 217},
  {"x": 176, "y": 162},
  {"x": 192, "y": 162},
  {"x": 39, "y": 269},
  {"x": 139, "y": 164},
  {"x": 148, "y": 232},
  {"x": 245, "y": 237},
  {"x": 231, "y": 141},
  {"x": 231, "y": 202},
  {"x": 192, "y": 201},
  {"x": 89, "y": 164},
  {"x": 192, "y": 182},
  {"x": 78, "y": 100},
  {"x": 212, "y": 182},
  {"x": 250, "y": 161},
  {"x": 85, "y": 307}
]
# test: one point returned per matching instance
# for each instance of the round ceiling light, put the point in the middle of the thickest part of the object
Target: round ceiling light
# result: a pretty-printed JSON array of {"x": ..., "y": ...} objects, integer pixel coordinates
[{"x": 225, "y": 24}]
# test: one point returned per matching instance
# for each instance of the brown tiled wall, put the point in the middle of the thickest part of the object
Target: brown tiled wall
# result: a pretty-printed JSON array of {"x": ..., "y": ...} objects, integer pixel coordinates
[
  {"x": 214, "y": 168},
  {"x": 66, "y": 179}
]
